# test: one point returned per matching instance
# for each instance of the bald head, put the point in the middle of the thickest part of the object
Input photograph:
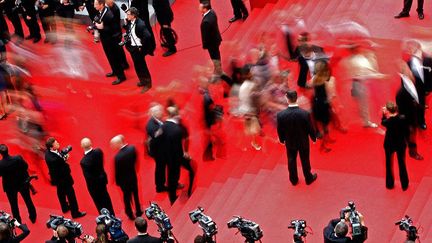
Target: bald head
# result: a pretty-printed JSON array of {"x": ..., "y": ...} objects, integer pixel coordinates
[
  {"x": 172, "y": 112},
  {"x": 62, "y": 231},
  {"x": 117, "y": 142},
  {"x": 86, "y": 144},
  {"x": 156, "y": 110}
]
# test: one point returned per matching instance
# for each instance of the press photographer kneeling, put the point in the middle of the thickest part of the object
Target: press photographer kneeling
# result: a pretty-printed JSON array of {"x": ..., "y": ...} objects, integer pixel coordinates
[
  {"x": 337, "y": 229},
  {"x": 7, "y": 229}
]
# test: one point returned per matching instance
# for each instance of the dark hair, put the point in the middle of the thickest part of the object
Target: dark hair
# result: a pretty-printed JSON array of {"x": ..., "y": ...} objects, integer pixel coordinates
[
  {"x": 199, "y": 239},
  {"x": 206, "y": 4},
  {"x": 391, "y": 107},
  {"x": 100, "y": 2},
  {"x": 5, "y": 233},
  {"x": 133, "y": 11},
  {"x": 141, "y": 224},
  {"x": 341, "y": 229},
  {"x": 292, "y": 96},
  {"x": 49, "y": 143},
  {"x": 4, "y": 150}
]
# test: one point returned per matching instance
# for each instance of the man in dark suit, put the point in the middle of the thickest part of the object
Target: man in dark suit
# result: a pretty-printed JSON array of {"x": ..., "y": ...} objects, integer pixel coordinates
[
  {"x": 61, "y": 177},
  {"x": 294, "y": 128},
  {"x": 143, "y": 236},
  {"x": 125, "y": 174},
  {"x": 109, "y": 39},
  {"x": 407, "y": 7},
  {"x": 118, "y": 30},
  {"x": 6, "y": 235},
  {"x": 156, "y": 147},
  {"x": 240, "y": 10},
  {"x": 96, "y": 179},
  {"x": 143, "y": 14},
  {"x": 138, "y": 47},
  {"x": 210, "y": 35},
  {"x": 29, "y": 16},
  {"x": 306, "y": 54},
  {"x": 13, "y": 170},
  {"x": 12, "y": 13},
  {"x": 165, "y": 17}
]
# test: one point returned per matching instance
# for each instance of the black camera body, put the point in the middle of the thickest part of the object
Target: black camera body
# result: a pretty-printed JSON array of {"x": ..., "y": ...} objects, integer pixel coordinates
[
  {"x": 406, "y": 225},
  {"x": 248, "y": 229},
  {"x": 113, "y": 226},
  {"x": 353, "y": 218},
  {"x": 7, "y": 219},
  {"x": 96, "y": 20},
  {"x": 155, "y": 213},
  {"x": 74, "y": 228},
  {"x": 299, "y": 226},
  {"x": 205, "y": 222},
  {"x": 65, "y": 151},
  {"x": 126, "y": 38}
]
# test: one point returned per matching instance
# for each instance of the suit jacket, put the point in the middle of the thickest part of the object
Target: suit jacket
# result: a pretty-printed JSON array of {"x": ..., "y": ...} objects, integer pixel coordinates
[
  {"x": 164, "y": 13},
  {"x": 407, "y": 106},
  {"x": 92, "y": 167},
  {"x": 304, "y": 67},
  {"x": 125, "y": 167},
  {"x": 422, "y": 85},
  {"x": 210, "y": 35},
  {"x": 173, "y": 135},
  {"x": 397, "y": 133},
  {"x": 155, "y": 142},
  {"x": 109, "y": 25},
  {"x": 294, "y": 127},
  {"x": 59, "y": 170},
  {"x": 143, "y": 34},
  {"x": 144, "y": 239},
  {"x": 13, "y": 169},
  {"x": 116, "y": 18}
]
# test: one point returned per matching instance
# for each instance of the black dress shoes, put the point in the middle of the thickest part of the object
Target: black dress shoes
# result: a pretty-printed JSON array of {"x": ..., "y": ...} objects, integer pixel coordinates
[
  {"x": 245, "y": 17},
  {"x": 66, "y": 209},
  {"x": 36, "y": 39},
  {"x": 421, "y": 16},
  {"x": 234, "y": 19},
  {"x": 111, "y": 74},
  {"x": 78, "y": 215},
  {"x": 314, "y": 177},
  {"x": 118, "y": 81},
  {"x": 402, "y": 15},
  {"x": 169, "y": 53}
]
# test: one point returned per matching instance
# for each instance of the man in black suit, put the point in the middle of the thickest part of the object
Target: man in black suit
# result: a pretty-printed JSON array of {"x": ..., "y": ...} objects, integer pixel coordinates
[
  {"x": 96, "y": 179},
  {"x": 306, "y": 54},
  {"x": 138, "y": 47},
  {"x": 61, "y": 177},
  {"x": 109, "y": 39},
  {"x": 156, "y": 147},
  {"x": 125, "y": 174},
  {"x": 13, "y": 169},
  {"x": 407, "y": 7},
  {"x": 294, "y": 128},
  {"x": 29, "y": 16},
  {"x": 165, "y": 17},
  {"x": 173, "y": 136},
  {"x": 143, "y": 236},
  {"x": 240, "y": 10},
  {"x": 143, "y": 14},
  {"x": 6, "y": 235},
  {"x": 12, "y": 12},
  {"x": 396, "y": 138},
  {"x": 210, "y": 36},
  {"x": 118, "y": 30}
]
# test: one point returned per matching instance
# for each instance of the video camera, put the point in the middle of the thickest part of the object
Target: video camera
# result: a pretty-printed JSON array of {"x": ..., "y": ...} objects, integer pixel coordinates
[
  {"x": 7, "y": 219},
  {"x": 74, "y": 228},
  {"x": 353, "y": 218},
  {"x": 113, "y": 226},
  {"x": 205, "y": 222},
  {"x": 248, "y": 229},
  {"x": 155, "y": 213},
  {"x": 299, "y": 226},
  {"x": 405, "y": 224}
]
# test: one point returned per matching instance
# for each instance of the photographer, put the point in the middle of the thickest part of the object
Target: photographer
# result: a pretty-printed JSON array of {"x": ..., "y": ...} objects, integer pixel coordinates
[
  {"x": 13, "y": 170},
  {"x": 61, "y": 235},
  {"x": 61, "y": 177},
  {"x": 337, "y": 231},
  {"x": 143, "y": 236},
  {"x": 6, "y": 235}
]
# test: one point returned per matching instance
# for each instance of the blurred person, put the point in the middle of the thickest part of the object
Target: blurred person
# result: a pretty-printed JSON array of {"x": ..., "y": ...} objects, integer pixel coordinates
[
  {"x": 143, "y": 236},
  {"x": 274, "y": 94},
  {"x": 337, "y": 231},
  {"x": 395, "y": 141},
  {"x": 138, "y": 47},
  {"x": 14, "y": 171},
  {"x": 165, "y": 17},
  {"x": 4, "y": 29},
  {"x": 92, "y": 165},
  {"x": 29, "y": 16},
  {"x": 142, "y": 6},
  {"x": 294, "y": 127},
  {"x": 407, "y": 7},
  {"x": 89, "y": 6},
  {"x": 66, "y": 10},
  {"x": 126, "y": 175},
  {"x": 408, "y": 103},
  {"x": 118, "y": 31},
  {"x": 306, "y": 54},
  {"x": 240, "y": 11},
  {"x": 5, "y": 81},
  {"x": 46, "y": 9},
  {"x": 6, "y": 235},
  {"x": 61, "y": 177},
  {"x": 261, "y": 68},
  {"x": 109, "y": 40},
  {"x": 156, "y": 146},
  {"x": 12, "y": 12}
]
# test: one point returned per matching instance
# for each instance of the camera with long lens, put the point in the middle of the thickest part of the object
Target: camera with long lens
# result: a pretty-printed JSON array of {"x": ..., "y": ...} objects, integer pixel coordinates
[
  {"x": 155, "y": 213},
  {"x": 353, "y": 217},
  {"x": 92, "y": 27},
  {"x": 65, "y": 151},
  {"x": 406, "y": 225},
  {"x": 113, "y": 226},
  {"x": 9, "y": 221},
  {"x": 74, "y": 228},
  {"x": 205, "y": 223},
  {"x": 299, "y": 226},
  {"x": 248, "y": 229},
  {"x": 126, "y": 39}
]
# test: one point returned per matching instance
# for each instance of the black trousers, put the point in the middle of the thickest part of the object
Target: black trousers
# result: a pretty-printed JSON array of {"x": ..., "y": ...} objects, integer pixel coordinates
[
  {"x": 173, "y": 178},
  {"x": 5, "y": 35},
  {"x": 160, "y": 171},
  {"x": 408, "y": 4},
  {"x": 67, "y": 198},
  {"x": 168, "y": 35},
  {"x": 121, "y": 54},
  {"x": 214, "y": 53},
  {"x": 130, "y": 191},
  {"x": 112, "y": 52},
  {"x": 101, "y": 198},
  {"x": 67, "y": 14},
  {"x": 32, "y": 24},
  {"x": 403, "y": 174},
  {"x": 292, "y": 164},
  {"x": 140, "y": 65},
  {"x": 239, "y": 8},
  {"x": 13, "y": 201},
  {"x": 186, "y": 163},
  {"x": 16, "y": 22},
  {"x": 49, "y": 26}
]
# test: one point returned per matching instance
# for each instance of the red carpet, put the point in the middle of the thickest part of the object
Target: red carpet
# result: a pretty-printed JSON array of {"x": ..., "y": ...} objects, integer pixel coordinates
[{"x": 253, "y": 184}]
